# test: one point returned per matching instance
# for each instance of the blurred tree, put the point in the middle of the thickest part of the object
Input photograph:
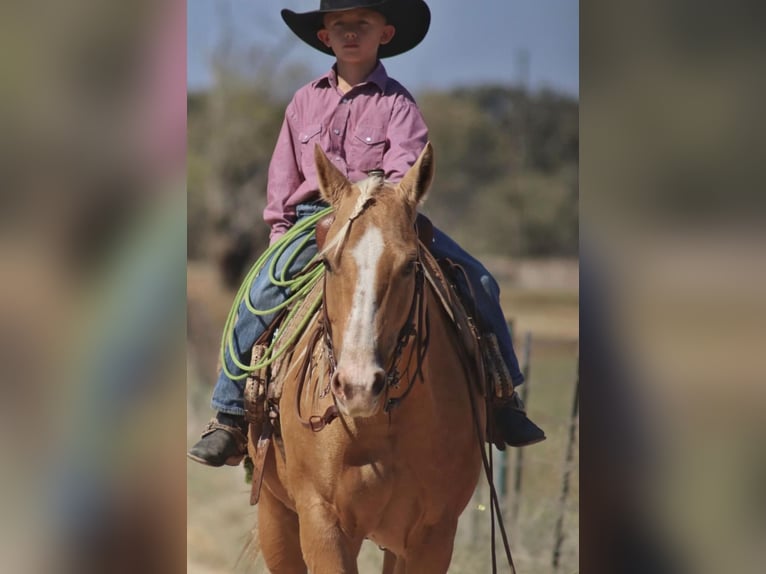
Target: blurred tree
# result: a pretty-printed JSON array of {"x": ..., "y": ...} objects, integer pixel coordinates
[
  {"x": 232, "y": 130},
  {"x": 470, "y": 151},
  {"x": 552, "y": 132},
  {"x": 506, "y": 177}
]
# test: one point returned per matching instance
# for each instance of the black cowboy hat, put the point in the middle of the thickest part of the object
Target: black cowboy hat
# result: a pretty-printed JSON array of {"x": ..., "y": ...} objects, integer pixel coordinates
[{"x": 411, "y": 19}]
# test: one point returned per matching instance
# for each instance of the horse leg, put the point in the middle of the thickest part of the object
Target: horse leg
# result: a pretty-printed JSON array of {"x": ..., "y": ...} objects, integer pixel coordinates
[
  {"x": 278, "y": 533},
  {"x": 430, "y": 553},
  {"x": 326, "y": 548}
]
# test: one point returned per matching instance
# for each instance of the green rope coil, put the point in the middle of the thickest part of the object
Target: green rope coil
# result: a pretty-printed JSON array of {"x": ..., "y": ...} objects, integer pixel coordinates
[{"x": 299, "y": 287}]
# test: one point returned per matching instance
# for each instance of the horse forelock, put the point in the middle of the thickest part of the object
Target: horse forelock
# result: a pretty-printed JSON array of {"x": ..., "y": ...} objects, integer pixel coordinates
[{"x": 367, "y": 189}]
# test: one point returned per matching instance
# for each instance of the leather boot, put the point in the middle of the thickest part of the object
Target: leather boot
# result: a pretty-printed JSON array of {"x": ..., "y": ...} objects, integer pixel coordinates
[
  {"x": 514, "y": 426},
  {"x": 223, "y": 442}
]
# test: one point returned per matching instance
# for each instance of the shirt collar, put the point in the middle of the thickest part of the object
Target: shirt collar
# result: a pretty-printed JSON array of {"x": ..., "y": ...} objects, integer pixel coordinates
[{"x": 378, "y": 76}]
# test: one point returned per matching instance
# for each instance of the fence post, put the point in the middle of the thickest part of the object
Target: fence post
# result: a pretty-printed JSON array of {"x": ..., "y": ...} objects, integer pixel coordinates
[
  {"x": 559, "y": 532},
  {"x": 525, "y": 369}
]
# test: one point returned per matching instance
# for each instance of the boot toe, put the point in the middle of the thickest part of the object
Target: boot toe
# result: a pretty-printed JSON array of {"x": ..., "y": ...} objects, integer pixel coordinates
[
  {"x": 216, "y": 449},
  {"x": 517, "y": 429}
]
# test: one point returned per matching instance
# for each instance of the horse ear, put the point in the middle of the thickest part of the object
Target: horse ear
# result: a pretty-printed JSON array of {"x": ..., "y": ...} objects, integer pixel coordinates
[
  {"x": 417, "y": 180},
  {"x": 332, "y": 183}
]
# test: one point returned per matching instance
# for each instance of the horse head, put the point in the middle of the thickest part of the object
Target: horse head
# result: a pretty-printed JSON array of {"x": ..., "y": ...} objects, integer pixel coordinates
[{"x": 372, "y": 277}]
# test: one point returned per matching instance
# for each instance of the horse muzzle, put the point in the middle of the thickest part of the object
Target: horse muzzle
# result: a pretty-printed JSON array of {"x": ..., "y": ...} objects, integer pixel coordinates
[{"x": 357, "y": 391}]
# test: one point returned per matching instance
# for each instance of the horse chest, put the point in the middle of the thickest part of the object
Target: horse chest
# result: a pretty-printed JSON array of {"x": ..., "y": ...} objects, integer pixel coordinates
[
  {"x": 366, "y": 485},
  {"x": 383, "y": 503},
  {"x": 359, "y": 469}
]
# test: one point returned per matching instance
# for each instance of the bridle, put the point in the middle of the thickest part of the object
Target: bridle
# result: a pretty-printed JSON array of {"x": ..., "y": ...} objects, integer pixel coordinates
[{"x": 416, "y": 325}]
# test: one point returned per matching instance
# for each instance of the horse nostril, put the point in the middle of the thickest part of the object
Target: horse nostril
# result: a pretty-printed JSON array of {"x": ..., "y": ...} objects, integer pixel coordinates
[
  {"x": 379, "y": 383},
  {"x": 336, "y": 384}
]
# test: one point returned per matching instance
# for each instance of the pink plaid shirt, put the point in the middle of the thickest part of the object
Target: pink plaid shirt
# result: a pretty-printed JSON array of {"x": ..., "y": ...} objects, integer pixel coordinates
[{"x": 376, "y": 125}]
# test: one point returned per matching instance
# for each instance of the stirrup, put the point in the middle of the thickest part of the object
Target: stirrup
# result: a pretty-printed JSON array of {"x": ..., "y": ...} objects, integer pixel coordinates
[{"x": 240, "y": 439}]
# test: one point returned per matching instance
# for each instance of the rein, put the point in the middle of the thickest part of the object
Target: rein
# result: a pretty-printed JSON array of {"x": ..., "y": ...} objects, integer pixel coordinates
[
  {"x": 314, "y": 422},
  {"x": 413, "y": 327}
]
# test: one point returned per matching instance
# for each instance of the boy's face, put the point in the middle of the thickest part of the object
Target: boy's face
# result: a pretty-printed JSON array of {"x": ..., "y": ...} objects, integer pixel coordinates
[{"x": 355, "y": 35}]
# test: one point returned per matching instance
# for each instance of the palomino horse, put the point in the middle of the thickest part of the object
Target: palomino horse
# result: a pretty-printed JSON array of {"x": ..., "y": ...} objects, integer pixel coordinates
[{"x": 401, "y": 459}]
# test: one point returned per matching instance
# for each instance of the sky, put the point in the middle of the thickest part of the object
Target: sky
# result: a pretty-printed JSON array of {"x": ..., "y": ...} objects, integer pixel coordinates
[{"x": 470, "y": 42}]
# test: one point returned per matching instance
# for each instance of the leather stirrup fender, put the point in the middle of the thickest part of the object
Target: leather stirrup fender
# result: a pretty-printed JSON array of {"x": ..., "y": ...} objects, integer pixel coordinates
[
  {"x": 261, "y": 449},
  {"x": 256, "y": 388}
]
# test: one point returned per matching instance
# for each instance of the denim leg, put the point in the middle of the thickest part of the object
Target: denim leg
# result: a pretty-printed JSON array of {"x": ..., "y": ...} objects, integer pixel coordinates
[
  {"x": 228, "y": 393},
  {"x": 487, "y": 294}
]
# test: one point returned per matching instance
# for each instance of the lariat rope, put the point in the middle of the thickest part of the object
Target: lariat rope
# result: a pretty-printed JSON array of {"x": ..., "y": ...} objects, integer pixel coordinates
[{"x": 299, "y": 286}]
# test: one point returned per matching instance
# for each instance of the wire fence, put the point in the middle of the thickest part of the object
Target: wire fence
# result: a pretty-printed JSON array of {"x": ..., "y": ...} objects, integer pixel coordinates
[{"x": 538, "y": 486}]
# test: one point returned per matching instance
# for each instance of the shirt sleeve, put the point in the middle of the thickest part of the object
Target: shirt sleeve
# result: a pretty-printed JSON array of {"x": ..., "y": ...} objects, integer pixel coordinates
[
  {"x": 284, "y": 178},
  {"x": 407, "y": 136}
]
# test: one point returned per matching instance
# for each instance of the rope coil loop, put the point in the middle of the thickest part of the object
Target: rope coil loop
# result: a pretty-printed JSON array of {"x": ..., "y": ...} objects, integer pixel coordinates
[{"x": 299, "y": 286}]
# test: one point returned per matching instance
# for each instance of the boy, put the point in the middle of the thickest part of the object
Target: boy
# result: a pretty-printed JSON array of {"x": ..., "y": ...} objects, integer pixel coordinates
[{"x": 364, "y": 121}]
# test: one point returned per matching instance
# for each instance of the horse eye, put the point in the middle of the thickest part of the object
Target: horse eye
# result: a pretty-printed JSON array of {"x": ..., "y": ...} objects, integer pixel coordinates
[
  {"x": 410, "y": 267},
  {"x": 326, "y": 264}
]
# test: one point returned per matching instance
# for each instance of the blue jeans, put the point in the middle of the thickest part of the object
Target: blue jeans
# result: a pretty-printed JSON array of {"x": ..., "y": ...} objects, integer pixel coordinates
[
  {"x": 228, "y": 393},
  {"x": 487, "y": 293}
]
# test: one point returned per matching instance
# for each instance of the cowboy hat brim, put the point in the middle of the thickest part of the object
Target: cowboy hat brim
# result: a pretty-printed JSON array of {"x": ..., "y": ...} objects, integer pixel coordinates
[{"x": 410, "y": 18}]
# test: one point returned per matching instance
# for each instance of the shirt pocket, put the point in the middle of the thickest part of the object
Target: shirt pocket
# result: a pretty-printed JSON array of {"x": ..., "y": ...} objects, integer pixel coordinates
[
  {"x": 309, "y": 132},
  {"x": 367, "y": 147},
  {"x": 308, "y": 136}
]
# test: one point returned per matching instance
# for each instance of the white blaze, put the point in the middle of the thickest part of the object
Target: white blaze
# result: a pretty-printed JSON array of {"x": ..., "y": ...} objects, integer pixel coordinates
[{"x": 359, "y": 340}]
